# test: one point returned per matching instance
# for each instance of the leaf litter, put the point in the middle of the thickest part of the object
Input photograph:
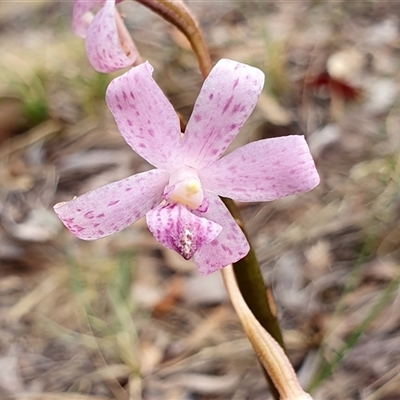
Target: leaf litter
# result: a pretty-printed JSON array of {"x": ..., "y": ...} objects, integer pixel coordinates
[{"x": 124, "y": 318}]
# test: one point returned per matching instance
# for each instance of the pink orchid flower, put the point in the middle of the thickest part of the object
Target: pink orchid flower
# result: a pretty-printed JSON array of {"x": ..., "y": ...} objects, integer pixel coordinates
[
  {"x": 108, "y": 44},
  {"x": 180, "y": 197}
]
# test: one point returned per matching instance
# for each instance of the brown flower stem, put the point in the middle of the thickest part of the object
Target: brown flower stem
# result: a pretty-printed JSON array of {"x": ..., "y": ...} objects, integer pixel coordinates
[
  {"x": 251, "y": 284},
  {"x": 176, "y": 12},
  {"x": 269, "y": 352}
]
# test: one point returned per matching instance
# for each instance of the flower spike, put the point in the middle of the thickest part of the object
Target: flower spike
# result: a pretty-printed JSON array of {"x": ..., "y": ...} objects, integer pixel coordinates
[{"x": 180, "y": 197}]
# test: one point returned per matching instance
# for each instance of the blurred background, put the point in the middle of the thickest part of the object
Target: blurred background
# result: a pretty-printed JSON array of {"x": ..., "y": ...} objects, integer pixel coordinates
[{"x": 124, "y": 318}]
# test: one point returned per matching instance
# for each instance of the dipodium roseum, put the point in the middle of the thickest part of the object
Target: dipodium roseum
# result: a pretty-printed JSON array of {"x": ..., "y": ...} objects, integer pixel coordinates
[
  {"x": 180, "y": 197},
  {"x": 108, "y": 44}
]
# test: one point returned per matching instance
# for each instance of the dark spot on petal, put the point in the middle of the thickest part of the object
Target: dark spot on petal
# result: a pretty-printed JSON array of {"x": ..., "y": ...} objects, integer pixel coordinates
[
  {"x": 89, "y": 215},
  {"x": 226, "y": 249},
  {"x": 228, "y": 103},
  {"x": 236, "y": 108}
]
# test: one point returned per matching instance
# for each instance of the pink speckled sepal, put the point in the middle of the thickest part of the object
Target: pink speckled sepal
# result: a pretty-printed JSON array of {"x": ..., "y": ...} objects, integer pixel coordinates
[
  {"x": 82, "y": 15},
  {"x": 145, "y": 117},
  {"x": 113, "y": 207},
  {"x": 108, "y": 44},
  {"x": 226, "y": 100},
  {"x": 263, "y": 171}
]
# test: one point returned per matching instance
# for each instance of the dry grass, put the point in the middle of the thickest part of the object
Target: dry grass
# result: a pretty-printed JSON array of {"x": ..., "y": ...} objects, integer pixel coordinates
[{"x": 124, "y": 318}]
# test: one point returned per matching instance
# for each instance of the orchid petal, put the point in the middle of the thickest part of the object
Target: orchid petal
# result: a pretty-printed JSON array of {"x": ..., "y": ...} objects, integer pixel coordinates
[
  {"x": 145, "y": 117},
  {"x": 264, "y": 170},
  {"x": 113, "y": 207},
  {"x": 228, "y": 247},
  {"x": 108, "y": 44},
  {"x": 175, "y": 227},
  {"x": 82, "y": 15},
  {"x": 227, "y": 98}
]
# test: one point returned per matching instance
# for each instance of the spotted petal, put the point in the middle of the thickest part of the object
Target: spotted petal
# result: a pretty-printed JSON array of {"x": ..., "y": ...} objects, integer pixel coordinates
[
  {"x": 227, "y": 98},
  {"x": 108, "y": 43},
  {"x": 113, "y": 207},
  {"x": 175, "y": 227},
  {"x": 145, "y": 117},
  {"x": 228, "y": 247},
  {"x": 264, "y": 170},
  {"x": 82, "y": 15}
]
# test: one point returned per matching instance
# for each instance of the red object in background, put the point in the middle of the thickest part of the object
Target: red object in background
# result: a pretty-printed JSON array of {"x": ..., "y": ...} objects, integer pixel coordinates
[{"x": 335, "y": 86}]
